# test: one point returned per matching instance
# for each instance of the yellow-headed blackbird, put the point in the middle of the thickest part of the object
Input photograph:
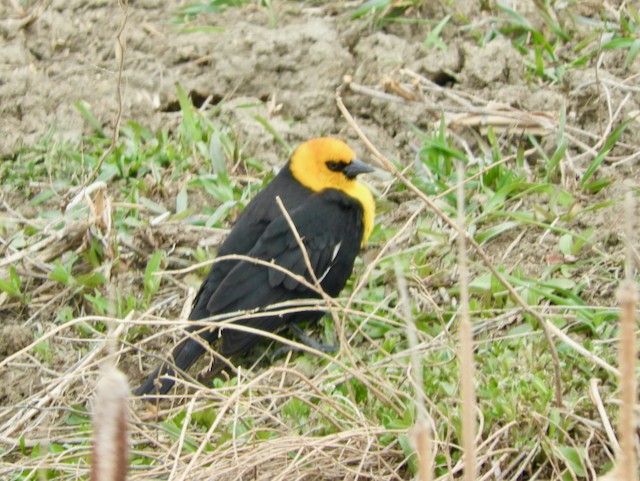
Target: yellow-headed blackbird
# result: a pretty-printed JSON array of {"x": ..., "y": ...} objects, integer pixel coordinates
[{"x": 333, "y": 214}]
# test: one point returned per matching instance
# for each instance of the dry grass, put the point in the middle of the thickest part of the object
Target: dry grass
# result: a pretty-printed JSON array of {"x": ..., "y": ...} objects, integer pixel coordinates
[{"x": 353, "y": 415}]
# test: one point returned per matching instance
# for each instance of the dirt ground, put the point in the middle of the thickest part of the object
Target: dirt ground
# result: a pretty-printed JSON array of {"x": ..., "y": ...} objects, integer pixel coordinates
[{"x": 64, "y": 52}]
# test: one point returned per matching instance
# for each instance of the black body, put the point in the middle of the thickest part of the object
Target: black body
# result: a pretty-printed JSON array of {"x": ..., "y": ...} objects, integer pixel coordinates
[{"x": 331, "y": 226}]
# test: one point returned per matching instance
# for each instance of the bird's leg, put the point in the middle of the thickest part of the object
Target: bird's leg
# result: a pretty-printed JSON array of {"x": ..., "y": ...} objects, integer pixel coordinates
[
  {"x": 300, "y": 335},
  {"x": 308, "y": 341}
]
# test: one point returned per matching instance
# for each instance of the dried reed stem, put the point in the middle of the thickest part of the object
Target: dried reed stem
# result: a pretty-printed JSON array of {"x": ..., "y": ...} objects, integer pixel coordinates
[
  {"x": 421, "y": 432},
  {"x": 628, "y": 298},
  {"x": 109, "y": 450},
  {"x": 424, "y": 450},
  {"x": 465, "y": 348}
]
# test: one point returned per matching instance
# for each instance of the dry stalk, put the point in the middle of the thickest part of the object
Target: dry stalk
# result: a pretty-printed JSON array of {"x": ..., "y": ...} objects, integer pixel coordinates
[
  {"x": 331, "y": 303},
  {"x": 424, "y": 450},
  {"x": 606, "y": 422},
  {"x": 231, "y": 323},
  {"x": 400, "y": 232},
  {"x": 200, "y": 460},
  {"x": 499, "y": 116},
  {"x": 628, "y": 298},
  {"x": 350, "y": 454},
  {"x": 183, "y": 433},
  {"x": 109, "y": 449},
  {"x": 52, "y": 245},
  {"x": 579, "y": 348},
  {"x": 465, "y": 348},
  {"x": 120, "y": 48},
  {"x": 422, "y": 430}
]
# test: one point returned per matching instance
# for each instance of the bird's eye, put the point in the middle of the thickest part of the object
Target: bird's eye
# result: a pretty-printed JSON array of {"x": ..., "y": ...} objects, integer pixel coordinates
[{"x": 336, "y": 166}]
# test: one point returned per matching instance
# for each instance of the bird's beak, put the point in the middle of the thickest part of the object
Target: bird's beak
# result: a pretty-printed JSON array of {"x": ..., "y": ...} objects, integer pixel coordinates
[{"x": 356, "y": 167}]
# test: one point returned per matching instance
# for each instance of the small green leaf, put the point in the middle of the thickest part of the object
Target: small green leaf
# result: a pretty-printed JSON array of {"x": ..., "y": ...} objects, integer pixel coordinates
[
  {"x": 13, "y": 285},
  {"x": 296, "y": 409},
  {"x": 559, "y": 283},
  {"x": 79, "y": 416},
  {"x": 369, "y": 6},
  {"x": 449, "y": 388},
  {"x": 98, "y": 302},
  {"x": 42, "y": 197},
  {"x": 216, "y": 155},
  {"x": 152, "y": 206},
  {"x": 566, "y": 244},
  {"x": 557, "y": 156},
  {"x": 223, "y": 191},
  {"x": 408, "y": 450},
  {"x": 634, "y": 49},
  {"x": 606, "y": 148},
  {"x": 573, "y": 458},
  {"x": 189, "y": 444},
  {"x": 481, "y": 284},
  {"x": 274, "y": 133},
  {"x": 434, "y": 36},
  {"x": 43, "y": 349},
  {"x": 91, "y": 280},
  {"x": 597, "y": 185},
  {"x": 83, "y": 108},
  {"x": 188, "y": 126},
  {"x": 495, "y": 231},
  {"x": 220, "y": 214},
  {"x": 151, "y": 279},
  {"x": 182, "y": 200},
  {"x": 60, "y": 274}
]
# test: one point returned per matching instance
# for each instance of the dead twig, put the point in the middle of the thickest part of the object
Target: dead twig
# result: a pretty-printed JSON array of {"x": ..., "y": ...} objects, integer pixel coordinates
[
  {"x": 465, "y": 348},
  {"x": 628, "y": 299},
  {"x": 120, "y": 49}
]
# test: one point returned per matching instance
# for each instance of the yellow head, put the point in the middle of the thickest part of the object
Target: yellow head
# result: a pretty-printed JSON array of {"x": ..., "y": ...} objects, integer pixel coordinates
[{"x": 328, "y": 163}]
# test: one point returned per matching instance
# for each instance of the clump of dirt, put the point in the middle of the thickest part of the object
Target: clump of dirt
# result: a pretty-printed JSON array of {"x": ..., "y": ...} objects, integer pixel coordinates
[
  {"x": 14, "y": 384},
  {"x": 13, "y": 337},
  {"x": 495, "y": 64}
]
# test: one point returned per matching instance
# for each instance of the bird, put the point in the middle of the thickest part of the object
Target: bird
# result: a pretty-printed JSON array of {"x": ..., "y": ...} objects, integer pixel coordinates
[{"x": 333, "y": 215}]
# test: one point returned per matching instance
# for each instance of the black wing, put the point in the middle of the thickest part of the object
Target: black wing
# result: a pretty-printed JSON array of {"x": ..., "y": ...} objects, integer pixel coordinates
[
  {"x": 246, "y": 232},
  {"x": 330, "y": 225}
]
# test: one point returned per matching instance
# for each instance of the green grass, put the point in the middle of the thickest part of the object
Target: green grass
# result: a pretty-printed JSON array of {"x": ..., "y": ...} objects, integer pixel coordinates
[{"x": 549, "y": 48}]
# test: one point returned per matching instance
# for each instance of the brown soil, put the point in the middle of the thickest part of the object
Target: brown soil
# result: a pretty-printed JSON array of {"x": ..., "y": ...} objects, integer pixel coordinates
[{"x": 66, "y": 55}]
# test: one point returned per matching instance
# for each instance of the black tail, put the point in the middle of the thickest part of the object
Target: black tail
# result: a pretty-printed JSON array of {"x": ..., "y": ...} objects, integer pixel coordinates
[{"x": 184, "y": 355}]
